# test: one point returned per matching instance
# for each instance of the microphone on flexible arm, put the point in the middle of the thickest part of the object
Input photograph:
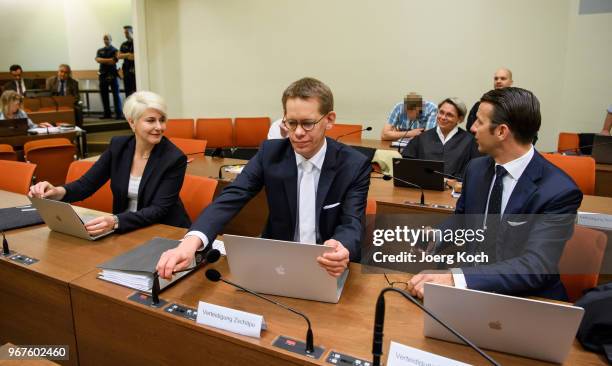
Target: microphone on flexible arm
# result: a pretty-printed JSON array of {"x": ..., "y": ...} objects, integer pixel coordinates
[
  {"x": 354, "y": 132},
  {"x": 389, "y": 177},
  {"x": 445, "y": 175},
  {"x": 214, "y": 276},
  {"x": 225, "y": 166},
  {"x": 399, "y": 145},
  {"x": 211, "y": 256},
  {"x": 379, "y": 324},
  {"x": 5, "y": 245}
]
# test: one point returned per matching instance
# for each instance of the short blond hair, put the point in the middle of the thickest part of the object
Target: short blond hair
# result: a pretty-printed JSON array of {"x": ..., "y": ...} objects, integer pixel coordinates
[
  {"x": 7, "y": 98},
  {"x": 136, "y": 104}
]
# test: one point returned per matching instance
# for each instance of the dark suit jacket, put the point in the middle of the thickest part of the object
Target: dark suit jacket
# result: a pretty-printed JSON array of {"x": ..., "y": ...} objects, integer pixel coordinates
[
  {"x": 545, "y": 200},
  {"x": 10, "y": 85},
  {"x": 345, "y": 179},
  {"x": 72, "y": 86},
  {"x": 158, "y": 193}
]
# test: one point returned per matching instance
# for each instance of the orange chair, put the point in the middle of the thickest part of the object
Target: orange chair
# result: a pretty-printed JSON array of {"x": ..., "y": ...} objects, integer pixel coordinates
[
  {"x": 568, "y": 142},
  {"x": 7, "y": 152},
  {"x": 339, "y": 129},
  {"x": 102, "y": 199},
  {"x": 189, "y": 146},
  {"x": 16, "y": 176},
  {"x": 52, "y": 157},
  {"x": 580, "y": 168},
  {"x": 251, "y": 131},
  {"x": 581, "y": 261},
  {"x": 371, "y": 206},
  {"x": 197, "y": 193},
  {"x": 218, "y": 132},
  {"x": 179, "y": 127}
]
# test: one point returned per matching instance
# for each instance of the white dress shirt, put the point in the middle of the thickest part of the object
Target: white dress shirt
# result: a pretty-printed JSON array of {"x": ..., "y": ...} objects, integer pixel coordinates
[
  {"x": 132, "y": 194},
  {"x": 515, "y": 169},
  {"x": 448, "y": 137},
  {"x": 317, "y": 160}
]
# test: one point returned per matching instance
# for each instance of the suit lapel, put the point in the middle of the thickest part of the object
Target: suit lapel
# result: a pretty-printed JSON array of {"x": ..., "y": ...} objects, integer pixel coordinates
[
  {"x": 525, "y": 187},
  {"x": 290, "y": 182},
  {"x": 152, "y": 163},
  {"x": 124, "y": 163},
  {"x": 328, "y": 173}
]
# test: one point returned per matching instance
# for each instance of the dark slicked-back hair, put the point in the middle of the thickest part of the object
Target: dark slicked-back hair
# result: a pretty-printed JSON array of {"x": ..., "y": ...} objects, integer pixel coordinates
[
  {"x": 310, "y": 88},
  {"x": 15, "y": 68},
  {"x": 517, "y": 108}
]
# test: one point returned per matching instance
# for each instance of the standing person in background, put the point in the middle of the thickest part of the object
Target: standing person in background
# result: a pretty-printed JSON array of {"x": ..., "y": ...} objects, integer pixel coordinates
[
  {"x": 410, "y": 118},
  {"x": 107, "y": 58},
  {"x": 64, "y": 85},
  {"x": 18, "y": 84},
  {"x": 501, "y": 79},
  {"x": 126, "y": 53}
]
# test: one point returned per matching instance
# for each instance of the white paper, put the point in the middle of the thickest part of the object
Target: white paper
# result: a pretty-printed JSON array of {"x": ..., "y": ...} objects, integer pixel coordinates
[
  {"x": 400, "y": 355},
  {"x": 234, "y": 321},
  {"x": 595, "y": 220}
]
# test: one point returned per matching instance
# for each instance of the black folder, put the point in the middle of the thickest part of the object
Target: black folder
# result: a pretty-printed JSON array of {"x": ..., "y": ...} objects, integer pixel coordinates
[{"x": 18, "y": 217}]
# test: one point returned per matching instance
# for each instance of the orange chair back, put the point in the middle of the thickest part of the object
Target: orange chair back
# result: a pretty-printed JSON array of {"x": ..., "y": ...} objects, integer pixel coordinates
[
  {"x": 7, "y": 152},
  {"x": 580, "y": 168},
  {"x": 581, "y": 261},
  {"x": 16, "y": 176},
  {"x": 251, "y": 131},
  {"x": 179, "y": 127},
  {"x": 197, "y": 193},
  {"x": 371, "y": 206},
  {"x": 568, "y": 142},
  {"x": 339, "y": 129},
  {"x": 52, "y": 157},
  {"x": 189, "y": 146},
  {"x": 102, "y": 199},
  {"x": 218, "y": 132}
]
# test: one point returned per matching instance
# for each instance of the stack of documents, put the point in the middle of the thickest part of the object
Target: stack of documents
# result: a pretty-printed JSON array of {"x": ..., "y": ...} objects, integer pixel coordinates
[{"x": 401, "y": 142}]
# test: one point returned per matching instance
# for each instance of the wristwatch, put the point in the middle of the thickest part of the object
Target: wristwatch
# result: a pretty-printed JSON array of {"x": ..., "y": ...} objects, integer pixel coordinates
[{"x": 116, "y": 219}]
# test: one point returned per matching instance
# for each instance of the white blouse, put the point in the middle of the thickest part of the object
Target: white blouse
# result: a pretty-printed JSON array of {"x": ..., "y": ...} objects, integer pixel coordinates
[{"x": 133, "y": 193}]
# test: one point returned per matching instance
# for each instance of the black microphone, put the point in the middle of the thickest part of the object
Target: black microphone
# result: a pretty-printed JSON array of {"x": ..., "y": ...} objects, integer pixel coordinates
[
  {"x": 379, "y": 324},
  {"x": 212, "y": 255},
  {"x": 225, "y": 166},
  {"x": 350, "y": 133},
  {"x": 214, "y": 276},
  {"x": 217, "y": 152},
  {"x": 445, "y": 175},
  {"x": 389, "y": 177},
  {"x": 5, "y": 246}
]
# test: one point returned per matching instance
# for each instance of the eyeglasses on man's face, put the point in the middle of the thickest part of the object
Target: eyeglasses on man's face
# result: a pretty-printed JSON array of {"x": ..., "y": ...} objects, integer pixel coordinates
[{"x": 307, "y": 125}]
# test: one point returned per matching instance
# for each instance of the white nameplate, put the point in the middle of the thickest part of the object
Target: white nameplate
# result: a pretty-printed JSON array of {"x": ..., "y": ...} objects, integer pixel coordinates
[
  {"x": 235, "y": 321},
  {"x": 400, "y": 355},
  {"x": 595, "y": 220}
]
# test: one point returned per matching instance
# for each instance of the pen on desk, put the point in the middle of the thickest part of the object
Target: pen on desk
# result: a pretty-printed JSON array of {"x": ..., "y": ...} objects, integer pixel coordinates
[{"x": 28, "y": 209}]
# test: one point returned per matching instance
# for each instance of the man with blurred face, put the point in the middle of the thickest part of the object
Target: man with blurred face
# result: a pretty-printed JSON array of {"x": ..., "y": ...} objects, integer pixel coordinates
[
  {"x": 64, "y": 85},
  {"x": 316, "y": 187},
  {"x": 410, "y": 118},
  {"x": 501, "y": 79},
  {"x": 18, "y": 84}
]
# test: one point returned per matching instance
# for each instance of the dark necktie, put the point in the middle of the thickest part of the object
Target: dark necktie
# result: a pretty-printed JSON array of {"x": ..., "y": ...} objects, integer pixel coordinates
[
  {"x": 494, "y": 212},
  {"x": 63, "y": 87}
]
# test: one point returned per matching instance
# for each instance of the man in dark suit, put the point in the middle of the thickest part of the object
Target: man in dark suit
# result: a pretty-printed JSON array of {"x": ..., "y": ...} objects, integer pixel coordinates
[
  {"x": 64, "y": 85},
  {"x": 18, "y": 84},
  {"x": 528, "y": 204},
  {"x": 316, "y": 187}
]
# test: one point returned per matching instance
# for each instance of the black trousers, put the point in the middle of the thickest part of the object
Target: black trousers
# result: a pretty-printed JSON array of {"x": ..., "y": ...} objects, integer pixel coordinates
[
  {"x": 111, "y": 81},
  {"x": 129, "y": 83}
]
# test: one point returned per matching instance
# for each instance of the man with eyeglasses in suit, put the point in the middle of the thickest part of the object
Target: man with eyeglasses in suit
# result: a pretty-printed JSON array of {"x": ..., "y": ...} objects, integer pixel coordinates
[{"x": 316, "y": 187}]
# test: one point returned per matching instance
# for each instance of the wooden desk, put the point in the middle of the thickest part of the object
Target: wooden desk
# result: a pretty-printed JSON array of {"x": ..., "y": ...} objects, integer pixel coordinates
[
  {"x": 35, "y": 299},
  {"x": 142, "y": 335},
  {"x": 603, "y": 180},
  {"x": 19, "y": 141}
]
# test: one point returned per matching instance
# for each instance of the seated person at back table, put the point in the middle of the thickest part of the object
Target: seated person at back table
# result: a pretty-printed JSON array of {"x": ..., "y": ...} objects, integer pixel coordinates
[
  {"x": 316, "y": 187},
  {"x": 11, "y": 103},
  {"x": 410, "y": 118},
  {"x": 146, "y": 172},
  {"x": 447, "y": 142}
]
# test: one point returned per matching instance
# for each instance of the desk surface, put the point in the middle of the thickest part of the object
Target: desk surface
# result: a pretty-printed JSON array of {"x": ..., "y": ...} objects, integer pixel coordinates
[{"x": 345, "y": 327}]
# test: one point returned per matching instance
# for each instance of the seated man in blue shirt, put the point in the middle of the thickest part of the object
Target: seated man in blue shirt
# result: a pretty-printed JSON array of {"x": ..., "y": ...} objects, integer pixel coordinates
[{"x": 410, "y": 118}]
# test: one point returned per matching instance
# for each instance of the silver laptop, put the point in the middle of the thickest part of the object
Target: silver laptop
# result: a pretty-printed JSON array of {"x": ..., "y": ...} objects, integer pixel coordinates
[
  {"x": 282, "y": 268},
  {"x": 530, "y": 328},
  {"x": 61, "y": 217}
]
